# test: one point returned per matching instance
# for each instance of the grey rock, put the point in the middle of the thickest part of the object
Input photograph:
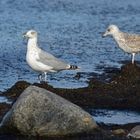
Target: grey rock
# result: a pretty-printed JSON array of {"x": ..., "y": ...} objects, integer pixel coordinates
[
  {"x": 135, "y": 132},
  {"x": 41, "y": 112}
]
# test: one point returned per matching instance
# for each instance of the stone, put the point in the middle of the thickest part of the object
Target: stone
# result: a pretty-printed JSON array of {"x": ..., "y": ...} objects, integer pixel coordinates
[
  {"x": 119, "y": 132},
  {"x": 135, "y": 132},
  {"x": 39, "y": 112}
]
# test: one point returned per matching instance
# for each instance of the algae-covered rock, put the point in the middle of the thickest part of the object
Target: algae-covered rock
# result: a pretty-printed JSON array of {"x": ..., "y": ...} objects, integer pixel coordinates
[
  {"x": 41, "y": 112},
  {"x": 119, "y": 132}
]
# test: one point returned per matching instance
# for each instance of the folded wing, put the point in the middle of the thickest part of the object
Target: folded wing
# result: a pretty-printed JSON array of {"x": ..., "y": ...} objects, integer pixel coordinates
[{"x": 52, "y": 61}]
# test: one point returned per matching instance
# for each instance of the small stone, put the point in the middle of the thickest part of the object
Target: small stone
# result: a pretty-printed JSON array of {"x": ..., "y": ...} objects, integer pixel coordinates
[{"x": 119, "y": 132}]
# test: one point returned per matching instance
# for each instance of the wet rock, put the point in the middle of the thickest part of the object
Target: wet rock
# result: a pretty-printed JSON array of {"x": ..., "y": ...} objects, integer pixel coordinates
[
  {"x": 4, "y": 107},
  {"x": 43, "y": 113},
  {"x": 119, "y": 132},
  {"x": 135, "y": 132},
  {"x": 14, "y": 92}
]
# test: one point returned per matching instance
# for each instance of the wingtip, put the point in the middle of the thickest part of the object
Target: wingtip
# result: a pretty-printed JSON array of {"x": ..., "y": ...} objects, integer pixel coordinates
[
  {"x": 78, "y": 68},
  {"x": 74, "y": 67}
]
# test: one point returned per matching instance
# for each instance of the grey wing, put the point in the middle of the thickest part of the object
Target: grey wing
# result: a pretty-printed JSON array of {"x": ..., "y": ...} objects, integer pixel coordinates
[
  {"x": 132, "y": 40},
  {"x": 50, "y": 60}
]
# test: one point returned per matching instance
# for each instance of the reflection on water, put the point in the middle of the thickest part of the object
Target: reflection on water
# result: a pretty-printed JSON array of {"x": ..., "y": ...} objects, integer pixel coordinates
[{"x": 115, "y": 116}]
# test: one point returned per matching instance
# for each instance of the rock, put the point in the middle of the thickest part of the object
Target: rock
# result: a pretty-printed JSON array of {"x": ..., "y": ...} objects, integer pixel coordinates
[
  {"x": 135, "y": 132},
  {"x": 43, "y": 113},
  {"x": 119, "y": 132}
]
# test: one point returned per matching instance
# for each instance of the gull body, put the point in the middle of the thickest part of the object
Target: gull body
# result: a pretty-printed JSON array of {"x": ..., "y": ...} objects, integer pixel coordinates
[
  {"x": 41, "y": 61},
  {"x": 129, "y": 43}
]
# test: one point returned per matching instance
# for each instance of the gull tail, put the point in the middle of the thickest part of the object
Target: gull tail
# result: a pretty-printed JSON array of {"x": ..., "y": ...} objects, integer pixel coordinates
[{"x": 73, "y": 67}]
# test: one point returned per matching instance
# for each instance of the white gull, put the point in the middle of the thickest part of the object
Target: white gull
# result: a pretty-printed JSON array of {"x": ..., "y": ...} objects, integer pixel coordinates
[
  {"x": 129, "y": 43},
  {"x": 41, "y": 61}
]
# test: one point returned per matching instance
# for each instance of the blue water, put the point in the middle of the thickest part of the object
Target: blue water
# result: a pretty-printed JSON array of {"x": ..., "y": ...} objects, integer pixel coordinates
[
  {"x": 109, "y": 116},
  {"x": 69, "y": 29}
]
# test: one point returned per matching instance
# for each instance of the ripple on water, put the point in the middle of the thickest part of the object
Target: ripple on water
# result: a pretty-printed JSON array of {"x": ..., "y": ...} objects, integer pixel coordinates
[
  {"x": 4, "y": 100},
  {"x": 115, "y": 116}
]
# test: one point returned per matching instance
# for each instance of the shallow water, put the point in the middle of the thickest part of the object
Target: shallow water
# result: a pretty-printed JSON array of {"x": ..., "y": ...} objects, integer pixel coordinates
[
  {"x": 4, "y": 100},
  {"x": 71, "y": 30},
  {"x": 119, "y": 117}
]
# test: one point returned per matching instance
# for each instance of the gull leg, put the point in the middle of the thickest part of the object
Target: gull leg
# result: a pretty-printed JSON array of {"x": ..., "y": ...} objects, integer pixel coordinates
[
  {"x": 45, "y": 78},
  {"x": 133, "y": 58},
  {"x": 40, "y": 78}
]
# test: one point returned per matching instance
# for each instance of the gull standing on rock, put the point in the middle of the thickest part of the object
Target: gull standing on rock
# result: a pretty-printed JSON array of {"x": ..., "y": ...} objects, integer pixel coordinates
[
  {"x": 129, "y": 43},
  {"x": 41, "y": 61}
]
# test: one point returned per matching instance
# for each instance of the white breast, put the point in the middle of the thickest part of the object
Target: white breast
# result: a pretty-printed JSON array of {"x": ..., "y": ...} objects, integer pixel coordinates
[{"x": 32, "y": 59}]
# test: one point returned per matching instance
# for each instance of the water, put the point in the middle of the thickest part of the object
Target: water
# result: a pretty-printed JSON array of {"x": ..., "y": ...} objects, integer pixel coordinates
[
  {"x": 115, "y": 116},
  {"x": 71, "y": 30},
  {"x": 4, "y": 100}
]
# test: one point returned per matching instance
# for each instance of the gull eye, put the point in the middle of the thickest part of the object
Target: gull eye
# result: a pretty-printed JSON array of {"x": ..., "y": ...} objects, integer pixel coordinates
[
  {"x": 33, "y": 33},
  {"x": 108, "y": 30}
]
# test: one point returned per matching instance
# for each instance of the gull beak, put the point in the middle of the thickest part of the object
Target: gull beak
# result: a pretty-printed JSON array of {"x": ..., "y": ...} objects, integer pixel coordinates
[
  {"x": 104, "y": 34},
  {"x": 24, "y": 35}
]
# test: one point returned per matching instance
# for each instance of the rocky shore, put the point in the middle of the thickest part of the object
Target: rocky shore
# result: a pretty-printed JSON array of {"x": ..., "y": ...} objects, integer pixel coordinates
[{"x": 122, "y": 91}]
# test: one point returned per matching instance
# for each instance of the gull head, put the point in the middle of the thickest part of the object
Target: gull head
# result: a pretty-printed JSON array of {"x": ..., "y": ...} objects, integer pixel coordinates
[
  {"x": 111, "y": 30},
  {"x": 30, "y": 34}
]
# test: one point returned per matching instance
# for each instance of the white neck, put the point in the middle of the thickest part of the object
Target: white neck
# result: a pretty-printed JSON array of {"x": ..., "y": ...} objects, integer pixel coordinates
[
  {"x": 117, "y": 35},
  {"x": 32, "y": 43}
]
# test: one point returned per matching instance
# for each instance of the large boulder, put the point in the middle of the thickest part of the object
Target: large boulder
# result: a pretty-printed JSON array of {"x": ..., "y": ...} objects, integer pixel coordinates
[
  {"x": 41, "y": 112},
  {"x": 135, "y": 132}
]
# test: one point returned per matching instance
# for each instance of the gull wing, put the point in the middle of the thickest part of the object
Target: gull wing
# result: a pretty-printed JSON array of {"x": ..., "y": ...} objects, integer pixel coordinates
[
  {"x": 50, "y": 60},
  {"x": 132, "y": 40}
]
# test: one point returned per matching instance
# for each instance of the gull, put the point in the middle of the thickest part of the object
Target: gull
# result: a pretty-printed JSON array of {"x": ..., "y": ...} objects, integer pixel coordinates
[
  {"x": 42, "y": 61},
  {"x": 129, "y": 43}
]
